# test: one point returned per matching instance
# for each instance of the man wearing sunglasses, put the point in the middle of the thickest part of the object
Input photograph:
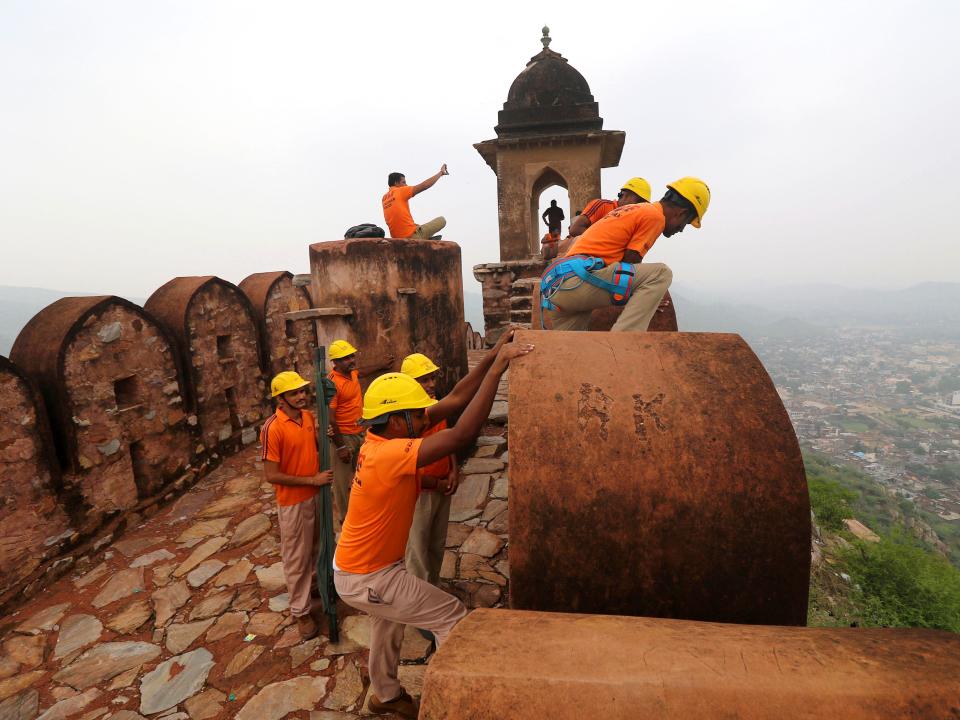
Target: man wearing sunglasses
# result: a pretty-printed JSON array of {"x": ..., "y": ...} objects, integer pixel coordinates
[{"x": 604, "y": 264}]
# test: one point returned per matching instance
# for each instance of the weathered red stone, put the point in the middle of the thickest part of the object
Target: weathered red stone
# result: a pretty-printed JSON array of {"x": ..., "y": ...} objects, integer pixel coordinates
[
  {"x": 602, "y": 319},
  {"x": 216, "y": 330},
  {"x": 502, "y": 663},
  {"x": 287, "y": 343},
  {"x": 655, "y": 474},
  {"x": 405, "y": 295},
  {"x": 31, "y": 517},
  {"x": 108, "y": 373}
]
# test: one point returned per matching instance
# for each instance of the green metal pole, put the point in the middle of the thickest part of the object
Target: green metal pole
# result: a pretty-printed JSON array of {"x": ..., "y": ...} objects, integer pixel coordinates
[{"x": 328, "y": 593}]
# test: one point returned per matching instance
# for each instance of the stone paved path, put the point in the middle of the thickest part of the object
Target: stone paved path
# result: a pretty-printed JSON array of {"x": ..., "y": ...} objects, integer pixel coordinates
[{"x": 185, "y": 616}]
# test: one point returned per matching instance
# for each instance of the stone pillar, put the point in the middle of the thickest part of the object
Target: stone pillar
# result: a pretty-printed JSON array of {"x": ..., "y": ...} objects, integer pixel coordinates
[
  {"x": 216, "y": 330},
  {"x": 35, "y": 525},
  {"x": 507, "y": 663},
  {"x": 288, "y": 338},
  {"x": 403, "y": 296},
  {"x": 655, "y": 474},
  {"x": 507, "y": 293},
  {"x": 110, "y": 378}
]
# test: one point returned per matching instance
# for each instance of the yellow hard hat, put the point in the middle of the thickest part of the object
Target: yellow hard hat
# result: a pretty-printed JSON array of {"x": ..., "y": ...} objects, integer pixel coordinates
[
  {"x": 639, "y": 187},
  {"x": 417, "y": 365},
  {"x": 340, "y": 349},
  {"x": 696, "y": 191},
  {"x": 394, "y": 392},
  {"x": 285, "y": 382}
]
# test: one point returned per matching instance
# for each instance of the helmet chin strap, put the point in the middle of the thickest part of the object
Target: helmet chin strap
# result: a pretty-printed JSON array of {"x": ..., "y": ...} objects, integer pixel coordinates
[{"x": 408, "y": 419}]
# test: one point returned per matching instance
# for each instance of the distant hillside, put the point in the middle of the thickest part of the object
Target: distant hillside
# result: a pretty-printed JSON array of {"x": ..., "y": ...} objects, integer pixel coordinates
[
  {"x": 929, "y": 309},
  {"x": 19, "y": 304}
]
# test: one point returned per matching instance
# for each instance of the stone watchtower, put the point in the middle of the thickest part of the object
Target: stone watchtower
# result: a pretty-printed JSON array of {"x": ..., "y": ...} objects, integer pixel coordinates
[{"x": 548, "y": 133}]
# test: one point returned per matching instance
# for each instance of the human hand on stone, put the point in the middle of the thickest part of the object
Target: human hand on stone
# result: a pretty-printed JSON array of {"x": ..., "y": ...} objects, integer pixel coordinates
[
  {"x": 509, "y": 353},
  {"x": 505, "y": 337}
]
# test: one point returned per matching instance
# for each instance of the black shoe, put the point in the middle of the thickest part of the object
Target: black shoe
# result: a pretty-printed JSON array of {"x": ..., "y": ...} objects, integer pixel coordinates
[{"x": 436, "y": 237}]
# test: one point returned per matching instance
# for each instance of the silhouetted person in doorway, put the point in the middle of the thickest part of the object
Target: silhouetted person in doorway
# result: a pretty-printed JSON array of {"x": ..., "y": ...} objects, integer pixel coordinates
[{"x": 553, "y": 216}]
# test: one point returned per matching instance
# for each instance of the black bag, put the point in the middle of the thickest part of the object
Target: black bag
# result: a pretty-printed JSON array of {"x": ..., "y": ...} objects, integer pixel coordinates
[{"x": 366, "y": 230}]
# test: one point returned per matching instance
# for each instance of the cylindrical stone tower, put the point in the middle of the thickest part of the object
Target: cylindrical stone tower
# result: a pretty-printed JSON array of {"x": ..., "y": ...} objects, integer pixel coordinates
[{"x": 404, "y": 296}]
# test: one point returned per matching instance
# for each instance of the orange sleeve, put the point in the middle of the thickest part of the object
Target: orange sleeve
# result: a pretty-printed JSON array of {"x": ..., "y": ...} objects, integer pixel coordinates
[
  {"x": 271, "y": 440},
  {"x": 400, "y": 456},
  {"x": 333, "y": 402},
  {"x": 645, "y": 232},
  {"x": 590, "y": 209}
]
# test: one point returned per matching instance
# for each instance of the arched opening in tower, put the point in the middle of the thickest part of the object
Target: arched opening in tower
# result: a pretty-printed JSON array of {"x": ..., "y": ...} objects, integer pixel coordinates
[{"x": 550, "y": 186}]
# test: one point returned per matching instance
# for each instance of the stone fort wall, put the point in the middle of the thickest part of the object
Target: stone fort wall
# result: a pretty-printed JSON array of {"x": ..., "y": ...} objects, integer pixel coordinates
[{"x": 113, "y": 409}]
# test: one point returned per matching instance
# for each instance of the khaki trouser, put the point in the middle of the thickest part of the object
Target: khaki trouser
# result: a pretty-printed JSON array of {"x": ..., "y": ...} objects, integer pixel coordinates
[
  {"x": 428, "y": 536},
  {"x": 392, "y": 598},
  {"x": 577, "y": 298},
  {"x": 343, "y": 474},
  {"x": 299, "y": 536},
  {"x": 429, "y": 229}
]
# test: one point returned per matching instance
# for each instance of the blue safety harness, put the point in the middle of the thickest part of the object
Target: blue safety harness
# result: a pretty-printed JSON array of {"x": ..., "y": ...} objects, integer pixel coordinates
[{"x": 583, "y": 266}]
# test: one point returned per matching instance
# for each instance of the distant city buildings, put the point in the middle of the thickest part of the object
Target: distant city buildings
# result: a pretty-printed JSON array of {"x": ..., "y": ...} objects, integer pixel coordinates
[{"x": 879, "y": 400}]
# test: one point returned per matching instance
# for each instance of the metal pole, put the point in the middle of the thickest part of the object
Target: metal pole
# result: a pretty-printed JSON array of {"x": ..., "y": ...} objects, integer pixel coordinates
[{"x": 328, "y": 593}]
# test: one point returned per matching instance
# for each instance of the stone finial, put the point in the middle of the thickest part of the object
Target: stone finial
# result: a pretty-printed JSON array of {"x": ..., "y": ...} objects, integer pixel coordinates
[{"x": 546, "y": 37}]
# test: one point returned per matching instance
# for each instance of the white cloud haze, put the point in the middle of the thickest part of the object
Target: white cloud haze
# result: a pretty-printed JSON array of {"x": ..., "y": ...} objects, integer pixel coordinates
[{"x": 141, "y": 141}]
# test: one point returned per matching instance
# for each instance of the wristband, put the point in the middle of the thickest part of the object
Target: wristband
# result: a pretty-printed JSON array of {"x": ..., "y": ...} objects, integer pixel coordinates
[{"x": 341, "y": 447}]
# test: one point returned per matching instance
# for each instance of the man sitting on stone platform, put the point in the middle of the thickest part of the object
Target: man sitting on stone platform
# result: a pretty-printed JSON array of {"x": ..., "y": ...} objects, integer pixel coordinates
[{"x": 396, "y": 207}]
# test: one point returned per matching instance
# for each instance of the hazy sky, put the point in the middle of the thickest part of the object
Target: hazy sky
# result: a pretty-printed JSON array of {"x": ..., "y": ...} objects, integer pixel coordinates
[{"x": 144, "y": 140}]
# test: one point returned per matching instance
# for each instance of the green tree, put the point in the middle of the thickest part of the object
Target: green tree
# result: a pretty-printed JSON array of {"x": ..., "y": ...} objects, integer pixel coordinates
[
  {"x": 830, "y": 502},
  {"x": 905, "y": 585}
]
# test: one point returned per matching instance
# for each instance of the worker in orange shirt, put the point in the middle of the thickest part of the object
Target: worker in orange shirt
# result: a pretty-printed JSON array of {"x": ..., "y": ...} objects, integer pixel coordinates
[
  {"x": 346, "y": 435},
  {"x": 428, "y": 534},
  {"x": 292, "y": 465},
  {"x": 604, "y": 264},
  {"x": 369, "y": 571},
  {"x": 634, "y": 191},
  {"x": 396, "y": 207}
]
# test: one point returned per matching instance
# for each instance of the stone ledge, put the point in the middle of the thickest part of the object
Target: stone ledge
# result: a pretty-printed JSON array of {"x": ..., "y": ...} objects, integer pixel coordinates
[{"x": 521, "y": 664}]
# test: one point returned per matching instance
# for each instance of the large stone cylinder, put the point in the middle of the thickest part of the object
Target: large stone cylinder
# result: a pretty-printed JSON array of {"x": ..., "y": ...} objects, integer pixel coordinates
[
  {"x": 405, "y": 296},
  {"x": 655, "y": 474},
  {"x": 518, "y": 665}
]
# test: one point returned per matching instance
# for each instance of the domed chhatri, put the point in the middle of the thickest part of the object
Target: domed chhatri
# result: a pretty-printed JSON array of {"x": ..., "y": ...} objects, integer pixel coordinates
[
  {"x": 549, "y": 92},
  {"x": 549, "y": 133}
]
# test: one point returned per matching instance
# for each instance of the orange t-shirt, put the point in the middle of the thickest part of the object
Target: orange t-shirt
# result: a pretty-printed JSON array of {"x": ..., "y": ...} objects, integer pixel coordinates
[
  {"x": 293, "y": 446},
  {"x": 631, "y": 227},
  {"x": 396, "y": 211},
  {"x": 440, "y": 468},
  {"x": 347, "y": 404},
  {"x": 597, "y": 209},
  {"x": 382, "y": 500}
]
